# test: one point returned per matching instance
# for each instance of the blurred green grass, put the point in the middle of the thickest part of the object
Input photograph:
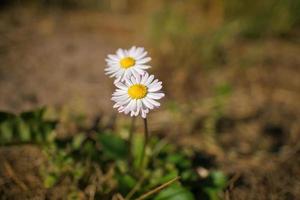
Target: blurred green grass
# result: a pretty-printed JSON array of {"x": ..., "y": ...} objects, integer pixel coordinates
[
  {"x": 189, "y": 39},
  {"x": 99, "y": 158},
  {"x": 255, "y": 18}
]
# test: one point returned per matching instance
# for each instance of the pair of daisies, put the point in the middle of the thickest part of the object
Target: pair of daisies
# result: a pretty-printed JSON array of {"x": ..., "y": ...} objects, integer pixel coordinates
[{"x": 137, "y": 92}]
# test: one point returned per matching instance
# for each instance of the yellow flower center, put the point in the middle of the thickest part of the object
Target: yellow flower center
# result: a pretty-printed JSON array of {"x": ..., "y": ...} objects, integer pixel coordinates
[
  {"x": 127, "y": 62},
  {"x": 137, "y": 91}
]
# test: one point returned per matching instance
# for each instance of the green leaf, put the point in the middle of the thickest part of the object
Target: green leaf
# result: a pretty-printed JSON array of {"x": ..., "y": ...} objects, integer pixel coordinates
[
  {"x": 223, "y": 89},
  {"x": 218, "y": 178},
  {"x": 23, "y": 131},
  {"x": 6, "y": 132},
  {"x": 78, "y": 171},
  {"x": 212, "y": 193},
  {"x": 113, "y": 146},
  {"x": 77, "y": 141},
  {"x": 126, "y": 182},
  {"x": 7, "y": 127},
  {"x": 88, "y": 150},
  {"x": 158, "y": 179},
  {"x": 137, "y": 148},
  {"x": 50, "y": 180},
  {"x": 175, "y": 192},
  {"x": 36, "y": 114},
  {"x": 4, "y": 116},
  {"x": 189, "y": 175},
  {"x": 179, "y": 159},
  {"x": 46, "y": 128}
]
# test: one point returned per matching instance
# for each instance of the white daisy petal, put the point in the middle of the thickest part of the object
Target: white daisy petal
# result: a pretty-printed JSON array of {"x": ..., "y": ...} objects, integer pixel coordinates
[
  {"x": 143, "y": 114},
  {"x": 147, "y": 104},
  {"x": 118, "y": 79},
  {"x": 133, "y": 80},
  {"x": 156, "y": 95},
  {"x": 121, "y": 86},
  {"x": 144, "y": 66},
  {"x": 135, "y": 73},
  {"x": 132, "y": 50},
  {"x": 137, "y": 95},
  {"x": 141, "y": 55},
  {"x": 144, "y": 78},
  {"x": 155, "y": 88},
  {"x": 125, "y": 62},
  {"x": 155, "y": 82},
  {"x": 139, "y": 71},
  {"x": 120, "y": 53},
  {"x": 153, "y": 102},
  {"x": 113, "y": 57},
  {"x": 144, "y": 60},
  {"x": 149, "y": 80},
  {"x": 138, "y": 79}
]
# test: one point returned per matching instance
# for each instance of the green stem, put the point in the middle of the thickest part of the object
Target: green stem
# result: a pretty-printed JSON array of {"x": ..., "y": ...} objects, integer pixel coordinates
[
  {"x": 146, "y": 140},
  {"x": 130, "y": 141},
  {"x": 135, "y": 188},
  {"x": 157, "y": 189}
]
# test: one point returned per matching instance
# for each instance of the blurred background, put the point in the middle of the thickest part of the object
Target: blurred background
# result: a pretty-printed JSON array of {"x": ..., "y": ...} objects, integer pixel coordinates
[{"x": 230, "y": 70}]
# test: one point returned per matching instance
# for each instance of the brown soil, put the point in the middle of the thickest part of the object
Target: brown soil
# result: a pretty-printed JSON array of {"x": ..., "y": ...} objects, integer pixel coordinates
[{"x": 58, "y": 59}]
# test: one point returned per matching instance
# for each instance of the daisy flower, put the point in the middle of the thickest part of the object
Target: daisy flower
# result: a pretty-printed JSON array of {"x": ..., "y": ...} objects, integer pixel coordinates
[
  {"x": 126, "y": 63},
  {"x": 137, "y": 95}
]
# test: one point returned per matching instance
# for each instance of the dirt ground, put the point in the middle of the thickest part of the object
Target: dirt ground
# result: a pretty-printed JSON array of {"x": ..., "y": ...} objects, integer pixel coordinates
[{"x": 58, "y": 60}]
